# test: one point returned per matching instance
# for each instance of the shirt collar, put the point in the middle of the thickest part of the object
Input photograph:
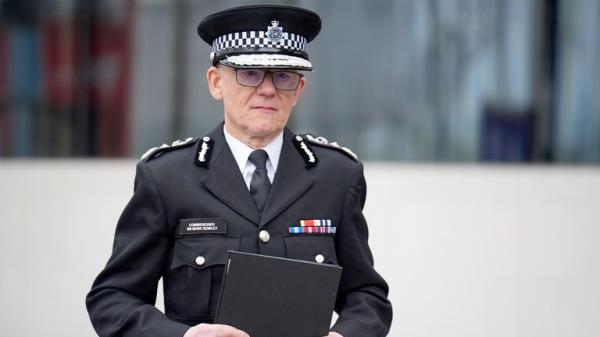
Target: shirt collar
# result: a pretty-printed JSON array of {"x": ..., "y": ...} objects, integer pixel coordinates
[{"x": 241, "y": 151}]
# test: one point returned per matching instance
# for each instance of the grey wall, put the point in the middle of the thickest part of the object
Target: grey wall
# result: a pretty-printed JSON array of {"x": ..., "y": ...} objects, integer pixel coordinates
[{"x": 467, "y": 250}]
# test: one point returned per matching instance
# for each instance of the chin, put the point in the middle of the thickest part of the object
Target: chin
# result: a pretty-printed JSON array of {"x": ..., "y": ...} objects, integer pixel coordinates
[{"x": 267, "y": 130}]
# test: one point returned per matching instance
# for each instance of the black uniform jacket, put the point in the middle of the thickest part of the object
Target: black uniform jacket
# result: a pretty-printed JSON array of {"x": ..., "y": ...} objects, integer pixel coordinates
[{"x": 170, "y": 189}]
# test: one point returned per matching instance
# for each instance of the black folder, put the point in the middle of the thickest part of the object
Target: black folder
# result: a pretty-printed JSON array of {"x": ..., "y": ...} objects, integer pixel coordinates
[{"x": 269, "y": 296}]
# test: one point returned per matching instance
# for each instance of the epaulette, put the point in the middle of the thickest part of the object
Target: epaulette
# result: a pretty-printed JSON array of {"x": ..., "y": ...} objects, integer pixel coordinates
[
  {"x": 322, "y": 141},
  {"x": 159, "y": 150}
]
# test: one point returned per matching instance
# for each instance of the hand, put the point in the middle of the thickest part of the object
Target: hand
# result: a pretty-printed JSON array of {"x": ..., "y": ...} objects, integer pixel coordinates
[
  {"x": 214, "y": 330},
  {"x": 334, "y": 334}
]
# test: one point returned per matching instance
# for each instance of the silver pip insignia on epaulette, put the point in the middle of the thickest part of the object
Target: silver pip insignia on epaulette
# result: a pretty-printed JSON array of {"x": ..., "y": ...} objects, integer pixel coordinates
[
  {"x": 158, "y": 150},
  {"x": 322, "y": 141},
  {"x": 204, "y": 151},
  {"x": 305, "y": 151}
]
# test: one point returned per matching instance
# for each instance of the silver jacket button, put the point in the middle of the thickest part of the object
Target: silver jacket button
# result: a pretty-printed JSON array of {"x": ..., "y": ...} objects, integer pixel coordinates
[
  {"x": 320, "y": 258},
  {"x": 264, "y": 236},
  {"x": 200, "y": 260}
]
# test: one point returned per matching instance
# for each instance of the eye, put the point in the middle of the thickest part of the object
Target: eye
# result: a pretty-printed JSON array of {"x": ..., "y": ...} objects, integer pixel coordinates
[
  {"x": 250, "y": 72},
  {"x": 283, "y": 76}
]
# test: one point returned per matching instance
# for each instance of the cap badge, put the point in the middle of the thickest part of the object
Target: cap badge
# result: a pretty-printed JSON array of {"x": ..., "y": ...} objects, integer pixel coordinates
[{"x": 274, "y": 32}]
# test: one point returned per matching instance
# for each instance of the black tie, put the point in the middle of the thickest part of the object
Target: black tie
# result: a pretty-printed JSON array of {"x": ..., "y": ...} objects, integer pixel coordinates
[{"x": 260, "y": 184}]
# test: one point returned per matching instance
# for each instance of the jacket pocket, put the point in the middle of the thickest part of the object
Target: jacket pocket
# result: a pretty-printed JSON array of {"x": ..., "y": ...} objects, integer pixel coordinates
[
  {"x": 311, "y": 247},
  {"x": 193, "y": 281}
]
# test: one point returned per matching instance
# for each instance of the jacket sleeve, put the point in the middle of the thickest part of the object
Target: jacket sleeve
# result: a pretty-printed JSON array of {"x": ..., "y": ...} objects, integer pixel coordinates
[
  {"x": 362, "y": 303},
  {"x": 121, "y": 301}
]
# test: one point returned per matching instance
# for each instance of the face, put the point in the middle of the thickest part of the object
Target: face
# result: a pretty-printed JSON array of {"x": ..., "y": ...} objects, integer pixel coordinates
[{"x": 252, "y": 113}]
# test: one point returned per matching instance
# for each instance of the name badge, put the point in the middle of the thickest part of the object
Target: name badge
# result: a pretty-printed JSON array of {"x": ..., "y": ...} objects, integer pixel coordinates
[{"x": 202, "y": 226}]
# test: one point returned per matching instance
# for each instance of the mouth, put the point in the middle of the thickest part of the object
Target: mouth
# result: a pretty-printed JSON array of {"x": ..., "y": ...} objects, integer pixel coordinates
[{"x": 264, "y": 107}]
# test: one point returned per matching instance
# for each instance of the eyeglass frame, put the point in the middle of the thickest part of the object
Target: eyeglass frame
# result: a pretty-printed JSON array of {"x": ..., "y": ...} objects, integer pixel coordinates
[{"x": 266, "y": 72}]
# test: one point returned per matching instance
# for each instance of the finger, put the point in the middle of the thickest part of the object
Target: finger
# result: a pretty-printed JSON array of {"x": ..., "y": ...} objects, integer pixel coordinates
[{"x": 229, "y": 331}]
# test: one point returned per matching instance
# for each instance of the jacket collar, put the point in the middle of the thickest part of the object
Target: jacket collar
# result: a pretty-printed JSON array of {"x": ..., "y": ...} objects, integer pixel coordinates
[{"x": 224, "y": 179}]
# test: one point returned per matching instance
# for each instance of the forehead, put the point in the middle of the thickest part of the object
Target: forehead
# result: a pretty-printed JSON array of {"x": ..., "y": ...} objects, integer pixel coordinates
[{"x": 266, "y": 70}]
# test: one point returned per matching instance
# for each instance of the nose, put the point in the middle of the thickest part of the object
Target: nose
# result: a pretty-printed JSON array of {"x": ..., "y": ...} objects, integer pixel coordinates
[{"x": 267, "y": 87}]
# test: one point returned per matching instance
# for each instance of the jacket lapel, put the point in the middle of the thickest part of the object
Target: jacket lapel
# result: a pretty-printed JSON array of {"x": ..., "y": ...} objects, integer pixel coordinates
[
  {"x": 292, "y": 180},
  {"x": 225, "y": 181}
]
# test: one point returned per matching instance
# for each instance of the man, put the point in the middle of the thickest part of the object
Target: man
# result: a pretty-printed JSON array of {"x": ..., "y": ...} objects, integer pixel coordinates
[{"x": 250, "y": 185}]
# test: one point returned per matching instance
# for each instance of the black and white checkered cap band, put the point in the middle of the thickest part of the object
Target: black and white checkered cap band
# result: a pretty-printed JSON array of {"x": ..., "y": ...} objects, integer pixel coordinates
[{"x": 259, "y": 39}]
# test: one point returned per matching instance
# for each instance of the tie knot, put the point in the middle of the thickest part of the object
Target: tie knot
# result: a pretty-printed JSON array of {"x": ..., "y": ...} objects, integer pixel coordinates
[{"x": 259, "y": 159}]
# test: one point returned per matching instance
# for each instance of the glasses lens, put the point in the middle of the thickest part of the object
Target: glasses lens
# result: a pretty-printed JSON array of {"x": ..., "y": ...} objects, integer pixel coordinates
[
  {"x": 250, "y": 77},
  {"x": 286, "y": 80},
  {"x": 282, "y": 80}
]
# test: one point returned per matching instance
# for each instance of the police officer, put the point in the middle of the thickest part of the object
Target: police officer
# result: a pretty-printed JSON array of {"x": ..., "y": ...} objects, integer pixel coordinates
[{"x": 250, "y": 185}]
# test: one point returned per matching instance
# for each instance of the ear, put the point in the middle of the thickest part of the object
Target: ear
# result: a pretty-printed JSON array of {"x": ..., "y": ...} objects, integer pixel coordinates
[
  {"x": 299, "y": 91},
  {"x": 213, "y": 77}
]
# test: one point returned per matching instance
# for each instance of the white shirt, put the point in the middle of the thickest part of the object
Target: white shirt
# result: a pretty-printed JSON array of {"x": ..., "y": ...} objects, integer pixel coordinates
[{"x": 241, "y": 152}]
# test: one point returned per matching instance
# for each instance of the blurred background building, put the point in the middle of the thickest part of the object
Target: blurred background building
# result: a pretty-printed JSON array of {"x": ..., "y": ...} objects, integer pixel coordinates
[{"x": 411, "y": 80}]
